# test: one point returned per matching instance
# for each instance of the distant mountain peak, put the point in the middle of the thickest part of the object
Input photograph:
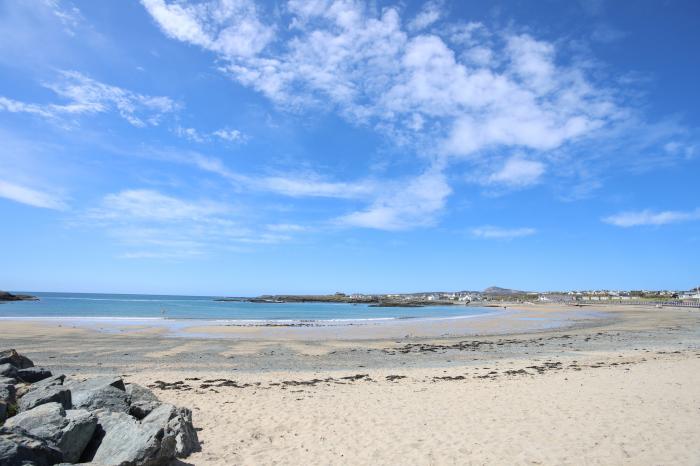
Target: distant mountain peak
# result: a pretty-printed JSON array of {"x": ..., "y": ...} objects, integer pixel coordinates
[{"x": 497, "y": 290}]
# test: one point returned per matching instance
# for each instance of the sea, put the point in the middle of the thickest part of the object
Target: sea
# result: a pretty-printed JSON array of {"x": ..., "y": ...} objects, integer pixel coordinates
[{"x": 92, "y": 306}]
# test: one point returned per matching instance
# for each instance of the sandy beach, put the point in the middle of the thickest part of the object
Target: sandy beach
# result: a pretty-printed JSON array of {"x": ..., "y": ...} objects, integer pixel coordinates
[{"x": 620, "y": 388}]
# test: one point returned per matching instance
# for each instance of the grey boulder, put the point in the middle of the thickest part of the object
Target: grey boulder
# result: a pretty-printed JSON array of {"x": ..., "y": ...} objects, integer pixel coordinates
[
  {"x": 99, "y": 393},
  {"x": 43, "y": 395},
  {"x": 8, "y": 401},
  {"x": 33, "y": 374},
  {"x": 13, "y": 357},
  {"x": 20, "y": 448},
  {"x": 8, "y": 380},
  {"x": 8, "y": 370},
  {"x": 8, "y": 393},
  {"x": 141, "y": 400},
  {"x": 69, "y": 431},
  {"x": 156, "y": 440}
]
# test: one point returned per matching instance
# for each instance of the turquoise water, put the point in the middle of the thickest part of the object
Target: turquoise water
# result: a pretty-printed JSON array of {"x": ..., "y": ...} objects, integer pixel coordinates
[{"x": 83, "y": 305}]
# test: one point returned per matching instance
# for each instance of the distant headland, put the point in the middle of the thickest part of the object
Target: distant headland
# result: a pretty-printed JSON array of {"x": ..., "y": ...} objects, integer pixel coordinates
[
  {"x": 5, "y": 296},
  {"x": 490, "y": 296}
]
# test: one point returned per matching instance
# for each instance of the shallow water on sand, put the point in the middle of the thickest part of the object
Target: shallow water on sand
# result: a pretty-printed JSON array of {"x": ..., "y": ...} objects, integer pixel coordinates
[{"x": 144, "y": 307}]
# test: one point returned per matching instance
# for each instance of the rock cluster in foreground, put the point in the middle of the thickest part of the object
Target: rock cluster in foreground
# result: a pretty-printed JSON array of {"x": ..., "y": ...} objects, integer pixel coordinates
[{"x": 49, "y": 419}]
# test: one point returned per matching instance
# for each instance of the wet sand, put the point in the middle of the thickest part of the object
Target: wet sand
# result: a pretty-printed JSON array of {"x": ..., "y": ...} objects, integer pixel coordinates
[{"x": 617, "y": 389}]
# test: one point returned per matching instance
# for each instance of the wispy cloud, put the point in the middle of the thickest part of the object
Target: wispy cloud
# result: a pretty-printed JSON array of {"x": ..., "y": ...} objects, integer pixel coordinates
[
  {"x": 463, "y": 93},
  {"x": 429, "y": 14},
  {"x": 650, "y": 217},
  {"x": 417, "y": 203},
  {"x": 493, "y": 232},
  {"x": 31, "y": 196},
  {"x": 223, "y": 134},
  {"x": 154, "y": 225},
  {"x": 85, "y": 96},
  {"x": 517, "y": 172}
]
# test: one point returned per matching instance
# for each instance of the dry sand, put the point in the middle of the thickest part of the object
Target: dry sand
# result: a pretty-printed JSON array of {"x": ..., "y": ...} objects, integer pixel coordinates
[{"x": 619, "y": 390}]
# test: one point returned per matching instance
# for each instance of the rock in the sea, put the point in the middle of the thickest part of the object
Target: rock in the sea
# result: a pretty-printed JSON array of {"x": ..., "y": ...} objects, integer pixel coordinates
[
  {"x": 8, "y": 370},
  {"x": 69, "y": 431},
  {"x": 152, "y": 442},
  {"x": 141, "y": 400},
  {"x": 99, "y": 393},
  {"x": 43, "y": 395},
  {"x": 33, "y": 374},
  {"x": 19, "y": 448},
  {"x": 13, "y": 357}
]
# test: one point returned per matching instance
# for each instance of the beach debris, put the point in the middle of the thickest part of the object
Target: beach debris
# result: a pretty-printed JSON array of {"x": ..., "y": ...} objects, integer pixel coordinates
[
  {"x": 101, "y": 420},
  {"x": 392, "y": 378},
  {"x": 177, "y": 385}
]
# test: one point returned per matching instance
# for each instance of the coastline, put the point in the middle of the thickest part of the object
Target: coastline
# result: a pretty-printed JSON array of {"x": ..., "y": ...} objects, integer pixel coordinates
[{"x": 556, "y": 395}]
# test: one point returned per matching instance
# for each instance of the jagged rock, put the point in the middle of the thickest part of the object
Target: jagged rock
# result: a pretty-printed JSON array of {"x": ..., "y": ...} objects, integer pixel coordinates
[
  {"x": 33, "y": 374},
  {"x": 8, "y": 370},
  {"x": 8, "y": 380},
  {"x": 186, "y": 440},
  {"x": 8, "y": 393},
  {"x": 99, "y": 393},
  {"x": 69, "y": 431},
  {"x": 8, "y": 401},
  {"x": 43, "y": 395},
  {"x": 20, "y": 448},
  {"x": 141, "y": 400},
  {"x": 13, "y": 357},
  {"x": 152, "y": 442}
]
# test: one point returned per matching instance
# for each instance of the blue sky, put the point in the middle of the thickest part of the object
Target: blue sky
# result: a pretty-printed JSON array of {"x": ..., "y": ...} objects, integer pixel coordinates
[{"x": 240, "y": 147}]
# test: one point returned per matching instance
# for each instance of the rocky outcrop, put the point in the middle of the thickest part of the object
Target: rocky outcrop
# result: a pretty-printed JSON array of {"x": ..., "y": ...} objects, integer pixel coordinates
[
  {"x": 19, "y": 448},
  {"x": 33, "y": 374},
  {"x": 100, "y": 420},
  {"x": 13, "y": 357},
  {"x": 5, "y": 296},
  {"x": 99, "y": 393},
  {"x": 43, "y": 395},
  {"x": 141, "y": 400},
  {"x": 69, "y": 431},
  {"x": 165, "y": 433}
]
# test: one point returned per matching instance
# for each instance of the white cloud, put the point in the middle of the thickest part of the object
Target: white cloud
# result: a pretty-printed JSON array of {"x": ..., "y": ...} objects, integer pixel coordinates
[
  {"x": 224, "y": 134},
  {"x": 146, "y": 204},
  {"x": 415, "y": 204},
  {"x": 30, "y": 196},
  {"x": 492, "y": 232},
  {"x": 67, "y": 14},
  {"x": 429, "y": 14},
  {"x": 649, "y": 217},
  {"x": 88, "y": 96},
  {"x": 154, "y": 225},
  {"x": 231, "y": 135},
  {"x": 517, "y": 172},
  {"x": 229, "y": 27},
  {"x": 460, "y": 93},
  {"x": 365, "y": 65}
]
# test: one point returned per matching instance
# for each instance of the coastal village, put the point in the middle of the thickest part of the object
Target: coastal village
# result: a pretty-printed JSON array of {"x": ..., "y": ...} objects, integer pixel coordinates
[{"x": 497, "y": 295}]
